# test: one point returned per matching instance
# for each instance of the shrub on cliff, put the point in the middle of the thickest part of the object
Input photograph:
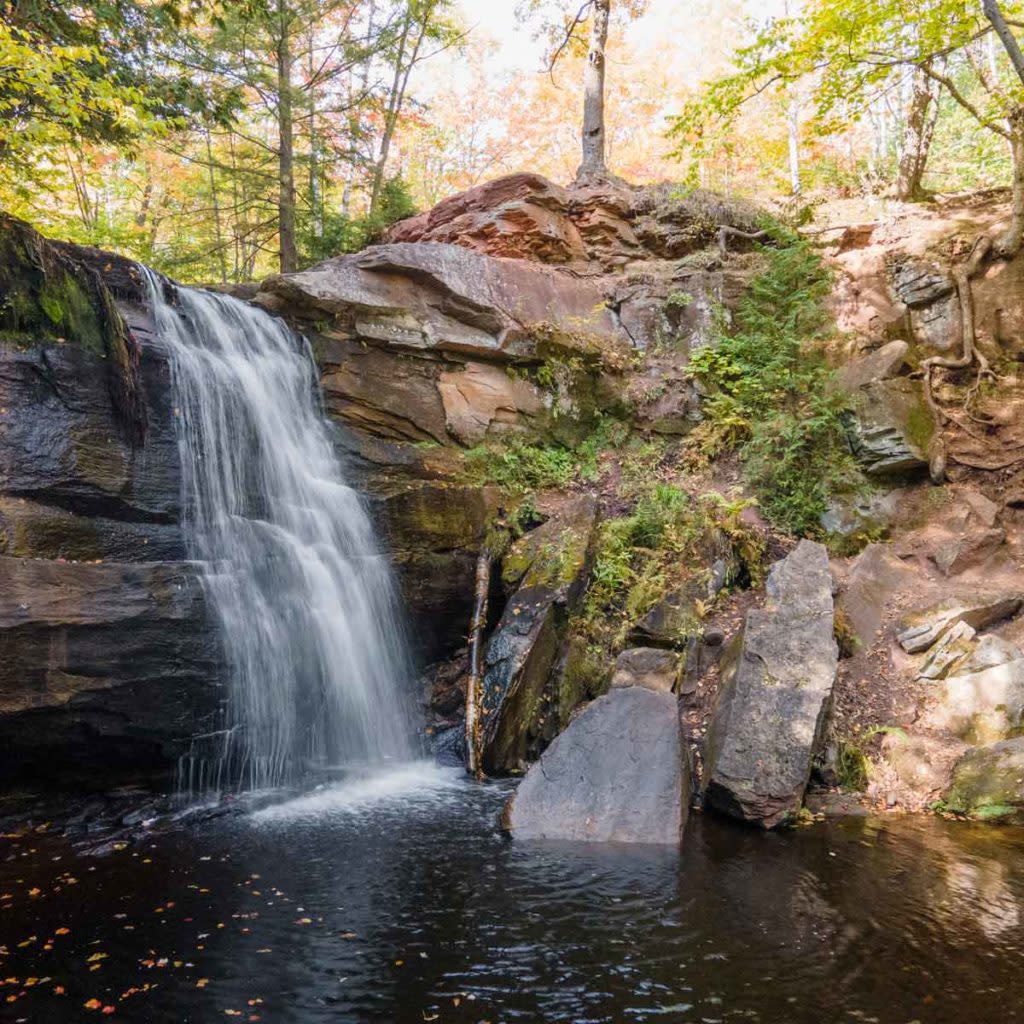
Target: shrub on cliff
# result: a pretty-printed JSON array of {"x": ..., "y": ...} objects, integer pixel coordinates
[{"x": 770, "y": 395}]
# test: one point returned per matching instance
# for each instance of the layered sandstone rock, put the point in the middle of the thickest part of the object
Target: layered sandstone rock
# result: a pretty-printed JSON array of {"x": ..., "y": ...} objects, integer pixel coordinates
[{"x": 108, "y": 659}]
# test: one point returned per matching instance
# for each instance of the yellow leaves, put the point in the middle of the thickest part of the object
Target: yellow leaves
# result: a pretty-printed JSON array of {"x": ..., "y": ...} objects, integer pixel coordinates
[{"x": 202, "y": 982}]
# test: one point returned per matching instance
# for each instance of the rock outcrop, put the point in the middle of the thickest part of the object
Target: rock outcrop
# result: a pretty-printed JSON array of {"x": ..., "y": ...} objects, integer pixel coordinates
[
  {"x": 108, "y": 661},
  {"x": 106, "y": 670},
  {"x": 649, "y": 667},
  {"x": 776, "y": 688},
  {"x": 528, "y": 217},
  {"x": 617, "y": 774},
  {"x": 549, "y": 572}
]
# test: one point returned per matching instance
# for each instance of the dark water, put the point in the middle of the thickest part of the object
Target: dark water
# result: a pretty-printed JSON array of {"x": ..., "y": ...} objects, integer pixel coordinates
[{"x": 399, "y": 906}]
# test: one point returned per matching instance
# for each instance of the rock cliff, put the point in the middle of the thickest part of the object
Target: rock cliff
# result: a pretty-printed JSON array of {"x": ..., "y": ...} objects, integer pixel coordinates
[{"x": 511, "y": 378}]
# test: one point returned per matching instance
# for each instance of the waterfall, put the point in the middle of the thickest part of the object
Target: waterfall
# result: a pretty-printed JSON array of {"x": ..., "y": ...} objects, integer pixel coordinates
[{"x": 312, "y": 637}]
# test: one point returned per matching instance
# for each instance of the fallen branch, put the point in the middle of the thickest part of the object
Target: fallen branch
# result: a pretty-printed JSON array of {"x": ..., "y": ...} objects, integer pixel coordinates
[
  {"x": 726, "y": 232},
  {"x": 473, "y": 687}
]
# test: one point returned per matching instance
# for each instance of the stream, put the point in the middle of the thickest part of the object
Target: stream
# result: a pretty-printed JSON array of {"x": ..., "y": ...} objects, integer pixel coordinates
[{"x": 395, "y": 898}]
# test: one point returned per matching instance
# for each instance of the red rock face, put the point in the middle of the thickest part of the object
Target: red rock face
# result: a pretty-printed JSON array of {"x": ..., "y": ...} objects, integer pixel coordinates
[
  {"x": 528, "y": 217},
  {"x": 523, "y": 216},
  {"x": 598, "y": 227}
]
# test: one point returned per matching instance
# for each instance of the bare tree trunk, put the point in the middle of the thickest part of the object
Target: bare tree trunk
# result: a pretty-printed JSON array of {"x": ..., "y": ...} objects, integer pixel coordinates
[
  {"x": 474, "y": 723},
  {"x": 147, "y": 199},
  {"x": 316, "y": 199},
  {"x": 793, "y": 131},
  {"x": 286, "y": 142},
  {"x": 917, "y": 133},
  {"x": 397, "y": 98},
  {"x": 1009, "y": 244},
  {"x": 593, "y": 165},
  {"x": 215, "y": 203},
  {"x": 1006, "y": 37}
]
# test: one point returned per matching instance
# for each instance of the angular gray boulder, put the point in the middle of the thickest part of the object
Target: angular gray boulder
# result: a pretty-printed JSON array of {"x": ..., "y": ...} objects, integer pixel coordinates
[
  {"x": 776, "y": 694},
  {"x": 617, "y": 774}
]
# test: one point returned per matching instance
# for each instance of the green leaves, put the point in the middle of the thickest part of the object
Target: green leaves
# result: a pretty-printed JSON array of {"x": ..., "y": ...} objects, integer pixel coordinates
[
  {"x": 52, "y": 95},
  {"x": 771, "y": 397}
]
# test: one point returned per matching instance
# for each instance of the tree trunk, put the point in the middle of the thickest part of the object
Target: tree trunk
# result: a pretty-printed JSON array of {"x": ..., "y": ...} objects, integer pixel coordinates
[
  {"x": 1006, "y": 37},
  {"x": 1009, "y": 244},
  {"x": 215, "y": 204},
  {"x": 793, "y": 131},
  {"x": 286, "y": 142},
  {"x": 397, "y": 97},
  {"x": 916, "y": 140},
  {"x": 316, "y": 200},
  {"x": 593, "y": 165}
]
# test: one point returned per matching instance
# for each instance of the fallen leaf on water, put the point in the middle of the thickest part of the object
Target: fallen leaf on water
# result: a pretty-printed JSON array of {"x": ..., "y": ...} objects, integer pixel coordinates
[
  {"x": 62, "y": 931},
  {"x": 92, "y": 1004},
  {"x": 202, "y": 982}
]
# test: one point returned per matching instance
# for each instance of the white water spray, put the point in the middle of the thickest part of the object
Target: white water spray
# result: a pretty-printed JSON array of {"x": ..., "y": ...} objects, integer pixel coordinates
[{"x": 312, "y": 638}]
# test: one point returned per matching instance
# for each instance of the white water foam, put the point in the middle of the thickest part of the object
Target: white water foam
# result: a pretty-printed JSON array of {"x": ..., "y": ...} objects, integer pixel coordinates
[
  {"x": 416, "y": 782},
  {"x": 313, "y": 639}
]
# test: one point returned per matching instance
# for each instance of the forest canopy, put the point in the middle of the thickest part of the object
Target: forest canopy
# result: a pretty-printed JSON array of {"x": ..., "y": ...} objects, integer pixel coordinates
[{"x": 219, "y": 140}]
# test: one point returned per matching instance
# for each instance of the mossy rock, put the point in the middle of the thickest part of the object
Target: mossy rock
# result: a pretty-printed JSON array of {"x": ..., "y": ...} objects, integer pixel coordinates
[
  {"x": 891, "y": 428},
  {"x": 44, "y": 294},
  {"x": 988, "y": 783},
  {"x": 555, "y": 554},
  {"x": 49, "y": 298}
]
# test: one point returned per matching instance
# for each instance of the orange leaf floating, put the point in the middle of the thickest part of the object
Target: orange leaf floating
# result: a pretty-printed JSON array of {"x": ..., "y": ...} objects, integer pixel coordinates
[{"x": 92, "y": 1004}]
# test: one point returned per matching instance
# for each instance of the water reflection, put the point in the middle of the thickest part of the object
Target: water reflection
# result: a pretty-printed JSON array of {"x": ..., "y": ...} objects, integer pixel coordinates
[{"x": 390, "y": 903}]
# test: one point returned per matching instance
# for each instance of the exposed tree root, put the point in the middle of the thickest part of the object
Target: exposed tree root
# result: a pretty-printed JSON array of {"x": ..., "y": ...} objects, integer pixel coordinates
[
  {"x": 725, "y": 232},
  {"x": 980, "y": 255}
]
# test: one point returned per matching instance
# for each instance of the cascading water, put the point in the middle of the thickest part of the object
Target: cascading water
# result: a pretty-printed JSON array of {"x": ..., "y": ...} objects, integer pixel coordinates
[{"x": 311, "y": 632}]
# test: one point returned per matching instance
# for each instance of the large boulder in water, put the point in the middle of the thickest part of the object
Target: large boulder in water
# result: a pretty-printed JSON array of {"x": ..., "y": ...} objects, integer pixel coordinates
[
  {"x": 988, "y": 782},
  {"x": 776, "y": 692},
  {"x": 617, "y": 774}
]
